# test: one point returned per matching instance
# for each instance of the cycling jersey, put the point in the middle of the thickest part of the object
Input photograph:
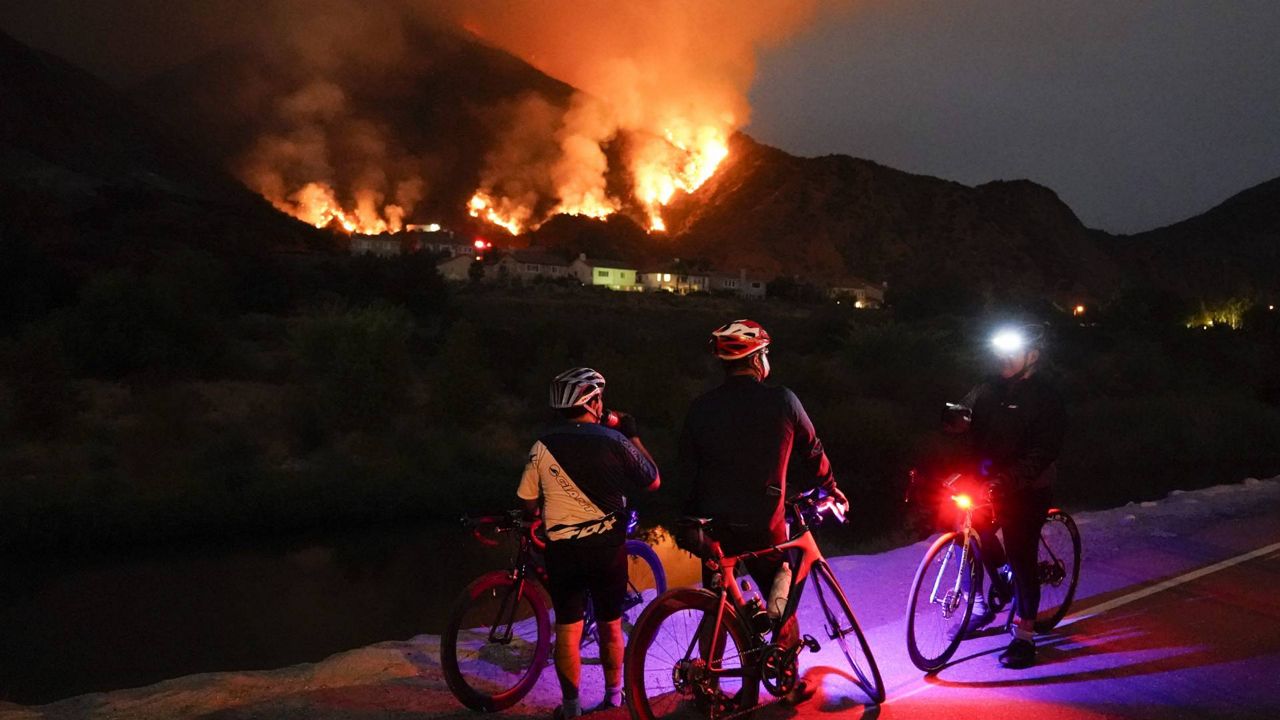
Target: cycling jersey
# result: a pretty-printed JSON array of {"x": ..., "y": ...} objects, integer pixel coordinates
[
  {"x": 738, "y": 443},
  {"x": 1017, "y": 432},
  {"x": 583, "y": 473}
]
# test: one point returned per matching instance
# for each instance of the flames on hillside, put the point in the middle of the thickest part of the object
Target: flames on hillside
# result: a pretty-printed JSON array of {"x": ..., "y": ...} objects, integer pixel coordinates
[
  {"x": 658, "y": 170},
  {"x": 658, "y": 90}
]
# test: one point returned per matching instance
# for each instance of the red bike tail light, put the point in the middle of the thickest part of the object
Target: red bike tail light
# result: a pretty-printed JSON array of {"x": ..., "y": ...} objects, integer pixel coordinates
[{"x": 964, "y": 502}]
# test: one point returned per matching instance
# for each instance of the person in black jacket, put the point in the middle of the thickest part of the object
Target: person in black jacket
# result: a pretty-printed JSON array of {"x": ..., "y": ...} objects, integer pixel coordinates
[
  {"x": 1015, "y": 424},
  {"x": 739, "y": 442}
]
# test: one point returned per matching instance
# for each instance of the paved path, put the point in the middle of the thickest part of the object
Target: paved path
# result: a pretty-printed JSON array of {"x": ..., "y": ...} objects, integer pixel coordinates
[{"x": 1171, "y": 640}]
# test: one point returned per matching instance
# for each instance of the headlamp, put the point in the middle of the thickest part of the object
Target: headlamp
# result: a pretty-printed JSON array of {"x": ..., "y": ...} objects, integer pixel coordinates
[{"x": 1008, "y": 342}]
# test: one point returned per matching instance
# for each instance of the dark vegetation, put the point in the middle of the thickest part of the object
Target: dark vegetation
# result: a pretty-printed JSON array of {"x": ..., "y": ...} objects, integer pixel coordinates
[
  {"x": 187, "y": 396},
  {"x": 178, "y": 360}
]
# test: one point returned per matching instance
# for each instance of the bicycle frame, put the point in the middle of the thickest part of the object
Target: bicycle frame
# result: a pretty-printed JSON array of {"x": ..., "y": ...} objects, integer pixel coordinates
[{"x": 730, "y": 591}]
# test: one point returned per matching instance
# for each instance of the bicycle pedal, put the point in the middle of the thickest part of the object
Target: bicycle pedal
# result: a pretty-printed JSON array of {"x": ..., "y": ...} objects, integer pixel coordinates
[{"x": 810, "y": 644}]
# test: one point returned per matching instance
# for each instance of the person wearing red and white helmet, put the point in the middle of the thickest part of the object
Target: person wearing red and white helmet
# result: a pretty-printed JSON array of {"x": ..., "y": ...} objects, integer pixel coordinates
[{"x": 740, "y": 442}]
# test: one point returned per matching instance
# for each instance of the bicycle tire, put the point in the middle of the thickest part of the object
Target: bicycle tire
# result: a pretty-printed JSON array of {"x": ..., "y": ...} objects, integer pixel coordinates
[
  {"x": 1048, "y": 566},
  {"x": 489, "y": 687},
  {"x": 672, "y": 621},
  {"x": 866, "y": 669},
  {"x": 928, "y": 623}
]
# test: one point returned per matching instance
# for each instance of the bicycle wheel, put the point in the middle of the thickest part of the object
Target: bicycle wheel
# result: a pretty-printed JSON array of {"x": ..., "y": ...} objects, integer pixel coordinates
[
  {"x": 1058, "y": 567},
  {"x": 646, "y": 580},
  {"x": 673, "y": 662},
  {"x": 497, "y": 642},
  {"x": 842, "y": 627},
  {"x": 939, "y": 602}
]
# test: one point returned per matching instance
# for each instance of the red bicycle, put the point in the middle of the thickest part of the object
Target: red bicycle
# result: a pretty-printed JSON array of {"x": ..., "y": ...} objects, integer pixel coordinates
[{"x": 705, "y": 649}]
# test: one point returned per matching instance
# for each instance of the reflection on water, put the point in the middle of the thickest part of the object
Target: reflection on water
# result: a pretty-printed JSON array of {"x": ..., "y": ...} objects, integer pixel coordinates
[{"x": 124, "y": 622}]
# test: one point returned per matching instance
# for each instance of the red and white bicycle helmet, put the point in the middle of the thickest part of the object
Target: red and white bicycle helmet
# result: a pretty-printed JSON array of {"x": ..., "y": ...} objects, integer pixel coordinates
[
  {"x": 575, "y": 387},
  {"x": 739, "y": 339}
]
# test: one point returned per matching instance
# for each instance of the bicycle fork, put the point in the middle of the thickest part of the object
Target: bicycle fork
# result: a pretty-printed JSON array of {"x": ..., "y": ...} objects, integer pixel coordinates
[
  {"x": 950, "y": 598},
  {"x": 503, "y": 627}
]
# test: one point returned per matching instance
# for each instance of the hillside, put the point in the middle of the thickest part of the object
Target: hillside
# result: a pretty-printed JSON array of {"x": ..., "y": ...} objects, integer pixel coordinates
[
  {"x": 1232, "y": 249},
  {"x": 434, "y": 113},
  {"x": 828, "y": 215}
]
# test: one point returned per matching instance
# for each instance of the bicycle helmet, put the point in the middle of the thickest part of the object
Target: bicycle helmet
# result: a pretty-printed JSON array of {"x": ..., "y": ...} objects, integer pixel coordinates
[
  {"x": 576, "y": 387},
  {"x": 738, "y": 339}
]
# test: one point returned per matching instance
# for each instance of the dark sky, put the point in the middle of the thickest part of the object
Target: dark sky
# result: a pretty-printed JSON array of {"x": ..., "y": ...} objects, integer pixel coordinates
[{"x": 1138, "y": 114}]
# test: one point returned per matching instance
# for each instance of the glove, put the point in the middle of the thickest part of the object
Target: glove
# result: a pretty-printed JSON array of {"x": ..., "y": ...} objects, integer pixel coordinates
[
  {"x": 628, "y": 426},
  {"x": 834, "y": 492}
]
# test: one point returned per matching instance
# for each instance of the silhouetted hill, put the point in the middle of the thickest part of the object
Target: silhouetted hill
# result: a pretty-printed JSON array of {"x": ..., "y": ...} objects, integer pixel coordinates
[
  {"x": 88, "y": 187},
  {"x": 833, "y": 215},
  {"x": 1233, "y": 249},
  {"x": 434, "y": 112}
]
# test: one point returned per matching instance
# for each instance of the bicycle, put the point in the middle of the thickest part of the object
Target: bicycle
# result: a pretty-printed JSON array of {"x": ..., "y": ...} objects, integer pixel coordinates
[
  {"x": 940, "y": 598},
  {"x": 707, "y": 646},
  {"x": 498, "y": 638}
]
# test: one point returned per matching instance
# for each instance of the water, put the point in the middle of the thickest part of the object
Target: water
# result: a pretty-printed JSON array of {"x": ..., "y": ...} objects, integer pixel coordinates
[{"x": 127, "y": 621}]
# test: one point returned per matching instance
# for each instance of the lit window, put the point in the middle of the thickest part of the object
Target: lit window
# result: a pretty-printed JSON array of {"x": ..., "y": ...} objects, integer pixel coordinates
[{"x": 666, "y": 277}]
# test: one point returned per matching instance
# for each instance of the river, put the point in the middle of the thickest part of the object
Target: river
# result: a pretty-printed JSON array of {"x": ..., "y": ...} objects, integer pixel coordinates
[{"x": 68, "y": 628}]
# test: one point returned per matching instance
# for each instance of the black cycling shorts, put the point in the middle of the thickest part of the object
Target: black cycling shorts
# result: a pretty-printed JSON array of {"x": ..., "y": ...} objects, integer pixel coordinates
[{"x": 575, "y": 569}]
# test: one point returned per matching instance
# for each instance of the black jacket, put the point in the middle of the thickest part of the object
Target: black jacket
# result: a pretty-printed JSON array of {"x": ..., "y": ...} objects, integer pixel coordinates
[
  {"x": 738, "y": 442},
  {"x": 1017, "y": 430}
]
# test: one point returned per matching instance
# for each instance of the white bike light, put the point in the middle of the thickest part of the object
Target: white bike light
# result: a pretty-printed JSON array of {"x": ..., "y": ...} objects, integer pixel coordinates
[{"x": 1008, "y": 342}]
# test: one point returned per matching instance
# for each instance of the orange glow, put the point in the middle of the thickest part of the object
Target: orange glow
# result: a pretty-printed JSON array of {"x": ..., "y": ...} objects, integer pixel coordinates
[
  {"x": 504, "y": 213},
  {"x": 1079, "y": 310},
  {"x": 317, "y": 204},
  {"x": 681, "y": 161},
  {"x": 660, "y": 167},
  {"x": 964, "y": 502}
]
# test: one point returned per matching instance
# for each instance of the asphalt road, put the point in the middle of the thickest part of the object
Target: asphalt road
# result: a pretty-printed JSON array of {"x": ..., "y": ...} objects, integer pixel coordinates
[
  {"x": 1166, "y": 629},
  {"x": 1177, "y": 616}
]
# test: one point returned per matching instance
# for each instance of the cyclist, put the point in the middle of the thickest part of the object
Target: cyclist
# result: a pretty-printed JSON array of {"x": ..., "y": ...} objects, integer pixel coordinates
[
  {"x": 579, "y": 475},
  {"x": 738, "y": 443},
  {"x": 1015, "y": 424}
]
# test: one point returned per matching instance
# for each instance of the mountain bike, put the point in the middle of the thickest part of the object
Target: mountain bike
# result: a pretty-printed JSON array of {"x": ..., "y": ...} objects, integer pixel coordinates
[
  {"x": 705, "y": 649},
  {"x": 498, "y": 638},
  {"x": 941, "y": 599}
]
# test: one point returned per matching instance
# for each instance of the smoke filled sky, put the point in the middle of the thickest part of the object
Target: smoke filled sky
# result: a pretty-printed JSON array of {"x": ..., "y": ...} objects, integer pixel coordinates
[{"x": 1137, "y": 113}]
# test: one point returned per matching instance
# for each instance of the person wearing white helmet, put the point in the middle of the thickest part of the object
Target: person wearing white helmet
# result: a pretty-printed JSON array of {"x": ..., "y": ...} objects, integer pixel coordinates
[
  {"x": 578, "y": 476},
  {"x": 740, "y": 443},
  {"x": 1015, "y": 423}
]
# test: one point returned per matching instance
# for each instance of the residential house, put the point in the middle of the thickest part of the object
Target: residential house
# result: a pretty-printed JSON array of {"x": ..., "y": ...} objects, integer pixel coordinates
[
  {"x": 456, "y": 268},
  {"x": 377, "y": 245},
  {"x": 863, "y": 294},
  {"x": 601, "y": 272},
  {"x": 675, "y": 278},
  {"x": 531, "y": 264},
  {"x": 739, "y": 283}
]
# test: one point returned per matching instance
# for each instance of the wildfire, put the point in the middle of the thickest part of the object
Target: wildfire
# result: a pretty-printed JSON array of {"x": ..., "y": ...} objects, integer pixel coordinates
[
  {"x": 317, "y": 204},
  {"x": 680, "y": 161},
  {"x": 660, "y": 167},
  {"x": 501, "y": 212}
]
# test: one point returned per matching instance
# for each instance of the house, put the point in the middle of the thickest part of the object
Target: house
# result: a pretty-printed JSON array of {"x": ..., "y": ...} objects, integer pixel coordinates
[
  {"x": 863, "y": 294},
  {"x": 739, "y": 283},
  {"x": 601, "y": 272},
  {"x": 456, "y": 268},
  {"x": 376, "y": 245},
  {"x": 674, "y": 277},
  {"x": 531, "y": 264}
]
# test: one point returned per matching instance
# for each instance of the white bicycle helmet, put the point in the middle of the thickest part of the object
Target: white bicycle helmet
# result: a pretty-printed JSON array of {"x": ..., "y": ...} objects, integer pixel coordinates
[{"x": 576, "y": 387}]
